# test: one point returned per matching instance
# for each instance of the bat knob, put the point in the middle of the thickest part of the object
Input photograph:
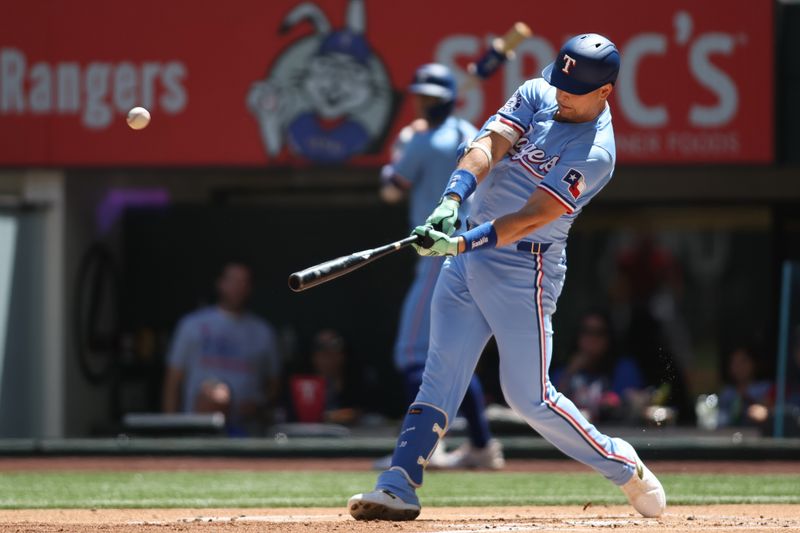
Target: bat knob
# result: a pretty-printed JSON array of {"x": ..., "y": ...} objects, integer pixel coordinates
[
  {"x": 295, "y": 283},
  {"x": 426, "y": 242}
]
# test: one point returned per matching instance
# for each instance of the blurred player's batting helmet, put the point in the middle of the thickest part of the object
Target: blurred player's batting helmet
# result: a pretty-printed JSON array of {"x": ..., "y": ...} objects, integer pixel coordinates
[
  {"x": 585, "y": 63},
  {"x": 435, "y": 79}
]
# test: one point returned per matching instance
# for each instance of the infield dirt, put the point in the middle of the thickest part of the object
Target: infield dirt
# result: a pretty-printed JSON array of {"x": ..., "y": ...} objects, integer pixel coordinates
[{"x": 712, "y": 518}]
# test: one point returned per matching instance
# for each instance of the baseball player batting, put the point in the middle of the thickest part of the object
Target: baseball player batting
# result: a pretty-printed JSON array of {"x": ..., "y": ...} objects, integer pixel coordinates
[
  {"x": 534, "y": 166},
  {"x": 419, "y": 169}
]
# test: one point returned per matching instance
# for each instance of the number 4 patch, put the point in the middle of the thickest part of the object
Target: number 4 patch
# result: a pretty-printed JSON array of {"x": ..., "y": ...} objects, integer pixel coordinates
[{"x": 576, "y": 182}]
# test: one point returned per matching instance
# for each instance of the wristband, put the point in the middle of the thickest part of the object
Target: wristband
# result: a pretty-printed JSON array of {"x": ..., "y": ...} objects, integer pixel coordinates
[
  {"x": 483, "y": 236},
  {"x": 462, "y": 183}
]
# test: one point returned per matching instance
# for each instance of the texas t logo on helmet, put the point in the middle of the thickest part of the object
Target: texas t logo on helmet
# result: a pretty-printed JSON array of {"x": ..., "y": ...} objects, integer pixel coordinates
[{"x": 568, "y": 62}]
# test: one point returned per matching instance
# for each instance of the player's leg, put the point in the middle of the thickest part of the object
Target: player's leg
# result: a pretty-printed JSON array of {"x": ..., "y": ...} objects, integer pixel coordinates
[
  {"x": 551, "y": 414},
  {"x": 458, "y": 334},
  {"x": 558, "y": 420},
  {"x": 512, "y": 304},
  {"x": 411, "y": 345},
  {"x": 410, "y": 353}
]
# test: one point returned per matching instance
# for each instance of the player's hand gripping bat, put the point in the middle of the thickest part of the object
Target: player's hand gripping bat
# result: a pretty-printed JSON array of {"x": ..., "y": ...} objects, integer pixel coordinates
[
  {"x": 318, "y": 274},
  {"x": 502, "y": 50}
]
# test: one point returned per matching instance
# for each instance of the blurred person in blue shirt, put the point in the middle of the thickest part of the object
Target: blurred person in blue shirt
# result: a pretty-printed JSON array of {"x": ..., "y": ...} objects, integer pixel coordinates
[
  {"x": 224, "y": 358},
  {"x": 602, "y": 383}
]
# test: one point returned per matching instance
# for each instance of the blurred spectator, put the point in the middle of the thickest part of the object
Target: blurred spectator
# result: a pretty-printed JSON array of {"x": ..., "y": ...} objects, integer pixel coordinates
[
  {"x": 648, "y": 290},
  {"x": 746, "y": 399},
  {"x": 332, "y": 392},
  {"x": 603, "y": 384},
  {"x": 224, "y": 359}
]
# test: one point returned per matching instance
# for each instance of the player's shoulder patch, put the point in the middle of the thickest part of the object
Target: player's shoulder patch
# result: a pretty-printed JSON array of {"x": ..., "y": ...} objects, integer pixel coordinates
[
  {"x": 513, "y": 103},
  {"x": 576, "y": 182}
]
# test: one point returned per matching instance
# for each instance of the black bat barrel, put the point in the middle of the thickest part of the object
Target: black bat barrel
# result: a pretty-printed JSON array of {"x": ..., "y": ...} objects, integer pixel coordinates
[{"x": 318, "y": 274}]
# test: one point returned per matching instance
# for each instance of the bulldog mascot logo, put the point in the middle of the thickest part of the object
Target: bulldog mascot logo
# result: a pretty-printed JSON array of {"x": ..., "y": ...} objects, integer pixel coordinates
[{"x": 327, "y": 97}]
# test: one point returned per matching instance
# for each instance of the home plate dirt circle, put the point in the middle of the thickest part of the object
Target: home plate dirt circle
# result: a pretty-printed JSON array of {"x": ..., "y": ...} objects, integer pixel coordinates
[{"x": 711, "y": 518}]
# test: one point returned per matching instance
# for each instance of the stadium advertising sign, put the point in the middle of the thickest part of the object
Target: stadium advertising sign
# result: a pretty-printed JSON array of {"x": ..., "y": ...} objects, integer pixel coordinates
[{"x": 256, "y": 83}]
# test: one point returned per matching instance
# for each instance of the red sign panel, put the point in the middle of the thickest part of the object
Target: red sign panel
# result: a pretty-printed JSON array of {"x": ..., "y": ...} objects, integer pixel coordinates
[{"x": 255, "y": 83}]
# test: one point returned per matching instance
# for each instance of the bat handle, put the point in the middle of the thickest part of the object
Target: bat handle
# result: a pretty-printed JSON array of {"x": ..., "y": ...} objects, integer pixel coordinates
[{"x": 408, "y": 241}]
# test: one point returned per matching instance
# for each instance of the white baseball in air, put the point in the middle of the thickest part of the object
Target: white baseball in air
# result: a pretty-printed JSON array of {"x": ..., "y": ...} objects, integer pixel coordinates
[{"x": 138, "y": 118}]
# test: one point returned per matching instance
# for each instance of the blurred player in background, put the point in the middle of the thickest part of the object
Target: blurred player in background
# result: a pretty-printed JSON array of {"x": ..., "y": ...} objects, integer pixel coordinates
[
  {"x": 224, "y": 359},
  {"x": 548, "y": 151},
  {"x": 423, "y": 156}
]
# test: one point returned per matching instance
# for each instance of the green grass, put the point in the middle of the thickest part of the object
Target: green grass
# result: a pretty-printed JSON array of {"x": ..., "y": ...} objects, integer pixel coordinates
[{"x": 310, "y": 489}]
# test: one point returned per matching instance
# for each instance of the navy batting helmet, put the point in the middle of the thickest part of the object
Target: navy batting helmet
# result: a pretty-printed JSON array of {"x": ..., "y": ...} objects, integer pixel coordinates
[
  {"x": 435, "y": 80},
  {"x": 585, "y": 63}
]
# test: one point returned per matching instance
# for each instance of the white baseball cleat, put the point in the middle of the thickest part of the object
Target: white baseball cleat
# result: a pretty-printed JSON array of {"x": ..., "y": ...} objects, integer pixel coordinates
[
  {"x": 644, "y": 492},
  {"x": 381, "y": 505},
  {"x": 467, "y": 456}
]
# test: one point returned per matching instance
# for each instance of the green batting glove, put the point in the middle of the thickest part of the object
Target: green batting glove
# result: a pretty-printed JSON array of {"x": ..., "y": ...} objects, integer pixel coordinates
[
  {"x": 445, "y": 217},
  {"x": 440, "y": 243}
]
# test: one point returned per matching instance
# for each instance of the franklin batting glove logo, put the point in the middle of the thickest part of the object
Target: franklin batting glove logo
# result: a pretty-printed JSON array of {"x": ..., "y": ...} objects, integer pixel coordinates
[{"x": 480, "y": 242}]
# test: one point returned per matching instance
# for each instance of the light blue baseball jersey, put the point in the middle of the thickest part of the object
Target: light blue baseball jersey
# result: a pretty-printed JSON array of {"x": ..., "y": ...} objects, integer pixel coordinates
[
  {"x": 570, "y": 161},
  {"x": 426, "y": 163}
]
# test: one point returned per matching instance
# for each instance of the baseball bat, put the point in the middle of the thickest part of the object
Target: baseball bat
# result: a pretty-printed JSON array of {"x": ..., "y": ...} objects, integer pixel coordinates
[{"x": 324, "y": 272}]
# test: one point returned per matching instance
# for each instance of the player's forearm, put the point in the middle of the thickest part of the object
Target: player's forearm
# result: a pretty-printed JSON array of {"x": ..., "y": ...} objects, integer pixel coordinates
[
  {"x": 540, "y": 210},
  {"x": 476, "y": 160},
  {"x": 510, "y": 228},
  {"x": 514, "y": 226}
]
